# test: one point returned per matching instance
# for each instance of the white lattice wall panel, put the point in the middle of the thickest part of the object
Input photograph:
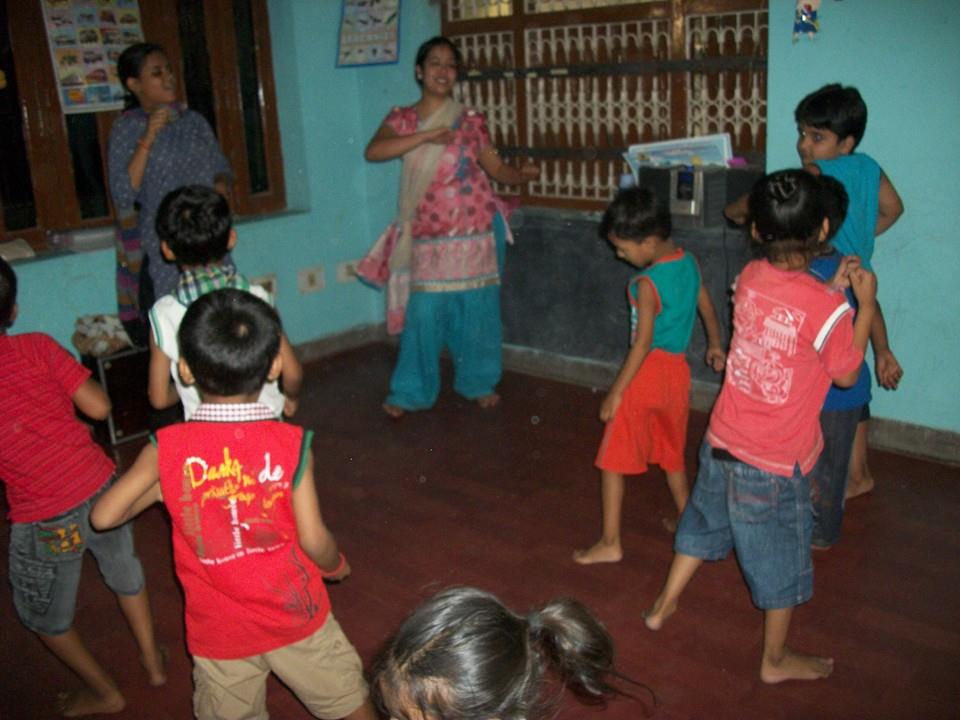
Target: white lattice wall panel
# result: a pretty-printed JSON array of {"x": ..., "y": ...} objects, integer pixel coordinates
[
  {"x": 476, "y": 9},
  {"x": 598, "y": 43},
  {"x": 545, "y": 6},
  {"x": 577, "y": 180},
  {"x": 596, "y": 111},
  {"x": 482, "y": 51},
  {"x": 608, "y": 112},
  {"x": 496, "y": 99},
  {"x": 728, "y": 101}
]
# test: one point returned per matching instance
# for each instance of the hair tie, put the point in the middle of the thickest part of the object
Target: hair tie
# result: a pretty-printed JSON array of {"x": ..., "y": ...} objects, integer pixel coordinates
[{"x": 535, "y": 622}]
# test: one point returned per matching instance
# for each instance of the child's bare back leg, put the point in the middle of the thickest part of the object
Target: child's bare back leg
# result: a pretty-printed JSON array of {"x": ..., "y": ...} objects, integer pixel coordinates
[
  {"x": 860, "y": 481},
  {"x": 136, "y": 609},
  {"x": 100, "y": 695},
  {"x": 780, "y": 663},
  {"x": 608, "y": 547},
  {"x": 681, "y": 571},
  {"x": 680, "y": 490}
]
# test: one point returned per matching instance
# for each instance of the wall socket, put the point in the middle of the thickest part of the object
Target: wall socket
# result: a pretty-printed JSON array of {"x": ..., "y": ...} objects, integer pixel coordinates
[
  {"x": 311, "y": 279},
  {"x": 347, "y": 271},
  {"x": 267, "y": 282}
]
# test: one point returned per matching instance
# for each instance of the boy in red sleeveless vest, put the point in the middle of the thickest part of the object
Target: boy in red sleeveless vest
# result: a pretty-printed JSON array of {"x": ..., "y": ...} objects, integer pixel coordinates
[{"x": 250, "y": 547}]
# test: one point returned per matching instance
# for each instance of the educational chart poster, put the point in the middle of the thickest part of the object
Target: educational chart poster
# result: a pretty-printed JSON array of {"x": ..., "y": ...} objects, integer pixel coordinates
[
  {"x": 368, "y": 32},
  {"x": 86, "y": 37}
]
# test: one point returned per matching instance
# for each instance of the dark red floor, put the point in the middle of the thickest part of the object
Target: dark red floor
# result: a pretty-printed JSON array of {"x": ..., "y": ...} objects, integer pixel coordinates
[{"x": 499, "y": 499}]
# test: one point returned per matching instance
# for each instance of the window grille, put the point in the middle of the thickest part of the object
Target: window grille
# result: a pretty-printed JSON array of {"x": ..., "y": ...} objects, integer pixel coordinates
[
  {"x": 728, "y": 101},
  {"x": 476, "y": 9},
  {"x": 569, "y": 84},
  {"x": 546, "y": 6}
]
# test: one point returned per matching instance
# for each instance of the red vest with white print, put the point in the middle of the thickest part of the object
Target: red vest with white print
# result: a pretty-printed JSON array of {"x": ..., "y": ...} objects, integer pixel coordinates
[{"x": 228, "y": 487}]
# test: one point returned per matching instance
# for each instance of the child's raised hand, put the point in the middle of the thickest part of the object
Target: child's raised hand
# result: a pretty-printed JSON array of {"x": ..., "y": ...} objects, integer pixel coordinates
[
  {"x": 864, "y": 284},
  {"x": 290, "y": 406},
  {"x": 716, "y": 358},
  {"x": 889, "y": 371},
  {"x": 841, "y": 278},
  {"x": 609, "y": 407}
]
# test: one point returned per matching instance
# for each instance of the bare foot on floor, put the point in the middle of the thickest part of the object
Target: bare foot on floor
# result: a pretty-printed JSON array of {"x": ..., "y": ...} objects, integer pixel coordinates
[
  {"x": 86, "y": 702},
  {"x": 655, "y": 617},
  {"x": 393, "y": 411},
  {"x": 858, "y": 488},
  {"x": 156, "y": 667},
  {"x": 488, "y": 401},
  {"x": 601, "y": 552},
  {"x": 794, "y": 666}
]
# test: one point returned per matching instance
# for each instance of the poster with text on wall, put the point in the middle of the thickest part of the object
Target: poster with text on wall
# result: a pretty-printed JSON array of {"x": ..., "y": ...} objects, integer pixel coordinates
[
  {"x": 86, "y": 37},
  {"x": 368, "y": 32}
]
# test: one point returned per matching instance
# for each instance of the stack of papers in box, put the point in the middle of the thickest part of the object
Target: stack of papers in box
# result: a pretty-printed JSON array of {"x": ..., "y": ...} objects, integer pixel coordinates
[{"x": 695, "y": 151}]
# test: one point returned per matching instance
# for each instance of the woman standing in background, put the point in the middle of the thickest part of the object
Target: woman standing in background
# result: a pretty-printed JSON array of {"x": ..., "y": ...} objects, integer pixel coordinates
[
  {"x": 442, "y": 250},
  {"x": 155, "y": 146}
]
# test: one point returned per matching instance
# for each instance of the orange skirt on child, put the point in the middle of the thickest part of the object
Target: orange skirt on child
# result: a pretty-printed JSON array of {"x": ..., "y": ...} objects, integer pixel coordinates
[{"x": 650, "y": 426}]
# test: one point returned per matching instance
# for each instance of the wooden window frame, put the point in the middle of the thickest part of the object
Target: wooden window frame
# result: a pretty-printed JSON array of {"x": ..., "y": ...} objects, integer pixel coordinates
[
  {"x": 676, "y": 11},
  {"x": 44, "y": 127}
]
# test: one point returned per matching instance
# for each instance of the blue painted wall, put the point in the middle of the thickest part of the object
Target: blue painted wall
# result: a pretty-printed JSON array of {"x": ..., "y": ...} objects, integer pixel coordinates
[
  {"x": 901, "y": 55},
  {"x": 903, "y": 58}
]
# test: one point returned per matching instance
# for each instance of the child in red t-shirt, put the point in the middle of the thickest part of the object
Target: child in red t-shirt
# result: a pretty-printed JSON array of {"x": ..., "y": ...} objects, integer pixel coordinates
[
  {"x": 53, "y": 472},
  {"x": 792, "y": 336},
  {"x": 250, "y": 547}
]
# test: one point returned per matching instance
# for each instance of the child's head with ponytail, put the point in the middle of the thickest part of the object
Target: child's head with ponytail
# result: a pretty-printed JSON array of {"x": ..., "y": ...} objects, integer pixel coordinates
[
  {"x": 789, "y": 210},
  {"x": 463, "y": 654}
]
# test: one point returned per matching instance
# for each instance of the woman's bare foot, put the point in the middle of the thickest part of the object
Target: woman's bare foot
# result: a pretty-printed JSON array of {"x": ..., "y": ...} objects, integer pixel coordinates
[
  {"x": 856, "y": 488},
  {"x": 86, "y": 702},
  {"x": 488, "y": 401},
  {"x": 156, "y": 667},
  {"x": 394, "y": 411},
  {"x": 794, "y": 666},
  {"x": 601, "y": 552},
  {"x": 655, "y": 617}
]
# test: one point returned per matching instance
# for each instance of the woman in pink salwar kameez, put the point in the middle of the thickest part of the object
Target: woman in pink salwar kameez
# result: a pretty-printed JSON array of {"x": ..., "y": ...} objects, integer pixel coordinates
[{"x": 439, "y": 258}]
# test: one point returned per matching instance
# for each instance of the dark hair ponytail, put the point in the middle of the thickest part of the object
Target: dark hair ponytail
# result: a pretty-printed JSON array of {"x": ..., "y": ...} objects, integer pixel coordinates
[
  {"x": 579, "y": 646},
  {"x": 787, "y": 209},
  {"x": 130, "y": 65},
  {"x": 464, "y": 654}
]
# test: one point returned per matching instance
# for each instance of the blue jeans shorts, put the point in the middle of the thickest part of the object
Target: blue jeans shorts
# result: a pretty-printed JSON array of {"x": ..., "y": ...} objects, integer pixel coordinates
[
  {"x": 46, "y": 558},
  {"x": 828, "y": 478},
  {"x": 765, "y": 518}
]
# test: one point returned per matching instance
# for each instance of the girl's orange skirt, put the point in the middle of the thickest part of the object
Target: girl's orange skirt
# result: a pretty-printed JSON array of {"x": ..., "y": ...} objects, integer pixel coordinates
[{"x": 650, "y": 426}]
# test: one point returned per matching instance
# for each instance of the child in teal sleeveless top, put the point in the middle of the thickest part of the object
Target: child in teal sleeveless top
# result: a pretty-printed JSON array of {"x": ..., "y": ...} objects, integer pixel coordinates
[{"x": 646, "y": 409}]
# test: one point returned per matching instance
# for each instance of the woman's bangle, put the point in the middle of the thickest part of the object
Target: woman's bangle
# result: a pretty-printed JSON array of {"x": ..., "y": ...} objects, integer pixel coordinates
[
  {"x": 337, "y": 570},
  {"x": 144, "y": 144}
]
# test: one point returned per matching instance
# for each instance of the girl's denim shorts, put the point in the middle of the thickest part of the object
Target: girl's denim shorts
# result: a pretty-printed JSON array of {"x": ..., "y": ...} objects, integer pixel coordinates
[{"x": 765, "y": 518}]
